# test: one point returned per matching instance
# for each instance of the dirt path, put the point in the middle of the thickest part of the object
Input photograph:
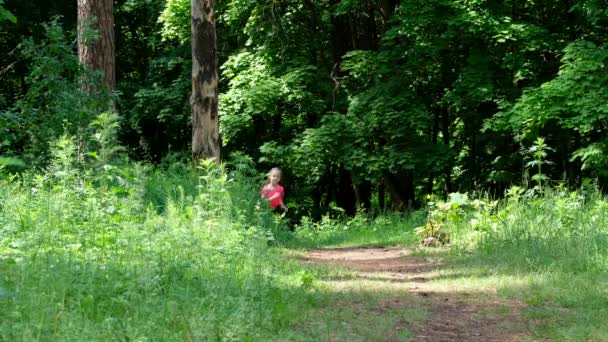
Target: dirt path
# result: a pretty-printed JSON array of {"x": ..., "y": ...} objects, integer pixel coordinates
[{"x": 456, "y": 313}]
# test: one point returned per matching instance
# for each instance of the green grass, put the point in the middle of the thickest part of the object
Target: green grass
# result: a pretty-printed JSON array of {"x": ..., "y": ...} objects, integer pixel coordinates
[
  {"x": 135, "y": 253},
  {"x": 131, "y": 255},
  {"x": 361, "y": 231},
  {"x": 549, "y": 251},
  {"x": 566, "y": 304},
  {"x": 356, "y": 316}
]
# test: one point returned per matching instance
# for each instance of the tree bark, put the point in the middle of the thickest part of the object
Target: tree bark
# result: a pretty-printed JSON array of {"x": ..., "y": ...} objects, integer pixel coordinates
[
  {"x": 381, "y": 196},
  {"x": 434, "y": 136},
  {"x": 97, "y": 54},
  {"x": 387, "y": 9},
  {"x": 345, "y": 193},
  {"x": 363, "y": 195},
  {"x": 445, "y": 132},
  {"x": 204, "y": 99},
  {"x": 401, "y": 187}
]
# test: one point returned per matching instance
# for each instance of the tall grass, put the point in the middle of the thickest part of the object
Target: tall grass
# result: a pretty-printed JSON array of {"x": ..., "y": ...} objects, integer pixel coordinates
[
  {"x": 557, "y": 242},
  {"x": 132, "y": 253},
  {"x": 360, "y": 231}
]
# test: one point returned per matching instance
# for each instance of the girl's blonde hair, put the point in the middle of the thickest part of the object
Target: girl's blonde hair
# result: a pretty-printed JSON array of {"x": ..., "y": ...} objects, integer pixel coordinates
[{"x": 274, "y": 169}]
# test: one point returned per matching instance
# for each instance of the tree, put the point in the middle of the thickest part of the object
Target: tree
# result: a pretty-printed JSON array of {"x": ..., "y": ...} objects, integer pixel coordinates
[
  {"x": 204, "y": 99},
  {"x": 97, "y": 53}
]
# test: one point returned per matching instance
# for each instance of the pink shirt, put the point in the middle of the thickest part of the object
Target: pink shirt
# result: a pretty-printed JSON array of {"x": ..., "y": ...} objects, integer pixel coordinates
[{"x": 268, "y": 192}]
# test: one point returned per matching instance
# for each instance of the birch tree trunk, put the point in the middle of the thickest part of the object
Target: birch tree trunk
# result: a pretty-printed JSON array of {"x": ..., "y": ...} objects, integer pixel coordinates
[
  {"x": 97, "y": 54},
  {"x": 204, "y": 99}
]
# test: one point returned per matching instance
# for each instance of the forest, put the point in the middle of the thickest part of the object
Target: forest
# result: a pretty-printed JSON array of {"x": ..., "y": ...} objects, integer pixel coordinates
[{"x": 443, "y": 163}]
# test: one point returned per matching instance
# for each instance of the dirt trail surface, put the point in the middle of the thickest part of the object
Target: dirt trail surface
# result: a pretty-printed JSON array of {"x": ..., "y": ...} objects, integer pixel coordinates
[{"x": 455, "y": 314}]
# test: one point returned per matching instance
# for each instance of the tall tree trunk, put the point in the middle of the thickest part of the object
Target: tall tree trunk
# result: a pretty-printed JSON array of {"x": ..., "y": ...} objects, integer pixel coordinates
[
  {"x": 345, "y": 193},
  {"x": 97, "y": 54},
  {"x": 387, "y": 9},
  {"x": 381, "y": 196},
  {"x": 369, "y": 37},
  {"x": 401, "y": 187},
  {"x": 312, "y": 7},
  {"x": 204, "y": 99},
  {"x": 445, "y": 132},
  {"x": 434, "y": 136},
  {"x": 363, "y": 195}
]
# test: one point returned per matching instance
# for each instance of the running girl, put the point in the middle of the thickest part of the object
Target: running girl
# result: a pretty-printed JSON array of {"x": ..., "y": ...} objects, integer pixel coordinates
[{"x": 273, "y": 191}]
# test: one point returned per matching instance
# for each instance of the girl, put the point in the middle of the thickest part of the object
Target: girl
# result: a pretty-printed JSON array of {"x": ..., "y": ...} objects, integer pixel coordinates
[{"x": 273, "y": 191}]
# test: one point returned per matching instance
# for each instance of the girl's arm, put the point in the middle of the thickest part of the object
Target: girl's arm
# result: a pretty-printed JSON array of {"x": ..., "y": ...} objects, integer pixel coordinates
[
  {"x": 264, "y": 191},
  {"x": 276, "y": 195},
  {"x": 283, "y": 205}
]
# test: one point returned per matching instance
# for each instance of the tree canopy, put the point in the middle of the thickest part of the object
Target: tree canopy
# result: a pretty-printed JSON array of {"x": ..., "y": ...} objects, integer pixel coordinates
[{"x": 361, "y": 102}]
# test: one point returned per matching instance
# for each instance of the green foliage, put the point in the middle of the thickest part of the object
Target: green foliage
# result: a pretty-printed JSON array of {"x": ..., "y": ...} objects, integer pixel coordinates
[
  {"x": 8, "y": 161},
  {"x": 338, "y": 93},
  {"x": 6, "y": 15},
  {"x": 538, "y": 154},
  {"x": 112, "y": 266},
  {"x": 54, "y": 102},
  {"x": 175, "y": 20},
  {"x": 252, "y": 90},
  {"x": 572, "y": 98},
  {"x": 554, "y": 243},
  {"x": 346, "y": 6},
  {"x": 64, "y": 158},
  {"x": 543, "y": 216},
  {"x": 276, "y": 81},
  {"x": 360, "y": 230},
  {"x": 105, "y": 138},
  {"x": 594, "y": 10},
  {"x": 575, "y": 100},
  {"x": 384, "y": 115},
  {"x": 443, "y": 215}
]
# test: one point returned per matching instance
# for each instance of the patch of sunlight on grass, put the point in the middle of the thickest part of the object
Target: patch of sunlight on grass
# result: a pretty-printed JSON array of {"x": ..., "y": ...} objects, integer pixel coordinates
[
  {"x": 440, "y": 281},
  {"x": 477, "y": 283},
  {"x": 373, "y": 240}
]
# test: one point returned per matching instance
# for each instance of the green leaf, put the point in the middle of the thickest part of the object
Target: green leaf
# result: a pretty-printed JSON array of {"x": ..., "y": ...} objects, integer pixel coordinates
[{"x": 6, "y": 15}]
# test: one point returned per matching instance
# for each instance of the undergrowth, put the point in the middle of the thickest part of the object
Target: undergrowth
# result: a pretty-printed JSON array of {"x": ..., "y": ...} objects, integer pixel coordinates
[
  {"x": 105, "y": 249},
  {"x": 361, "y": 231},
  {"x": 555, "y": 239}
]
